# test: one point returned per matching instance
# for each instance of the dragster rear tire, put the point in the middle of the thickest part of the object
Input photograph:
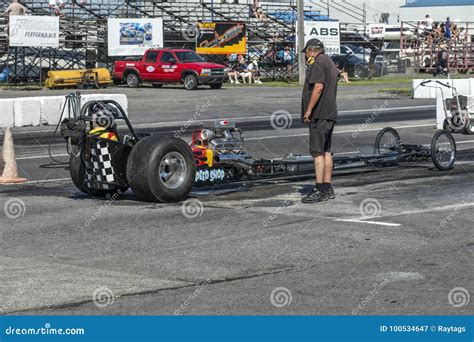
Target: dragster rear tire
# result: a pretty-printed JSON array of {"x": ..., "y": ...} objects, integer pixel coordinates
[
  {"x": 161, "y": 169},
  {"x": 435, "y": 156},
  {"x": 78, "y": 176}
]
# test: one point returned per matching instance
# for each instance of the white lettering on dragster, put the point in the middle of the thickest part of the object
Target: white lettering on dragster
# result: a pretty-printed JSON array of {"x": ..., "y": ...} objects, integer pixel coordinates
[{"x": 210, "y": 175}]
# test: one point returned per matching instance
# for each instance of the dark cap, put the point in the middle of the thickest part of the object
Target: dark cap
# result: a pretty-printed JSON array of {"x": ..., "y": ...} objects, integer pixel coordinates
[{"x": 316, "y": 43}]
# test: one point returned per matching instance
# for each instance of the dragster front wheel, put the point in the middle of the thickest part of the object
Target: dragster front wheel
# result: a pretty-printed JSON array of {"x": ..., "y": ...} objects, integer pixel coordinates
[
  {"x": 387, "y": 140},
  {"x": 161, "y": 169},
  {"x": 443, "y": 150}
]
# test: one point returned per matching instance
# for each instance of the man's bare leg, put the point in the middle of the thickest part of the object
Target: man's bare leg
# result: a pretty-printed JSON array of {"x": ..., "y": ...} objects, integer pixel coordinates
[
  {"x": 319, "y": 161},
  {"x": 328, "y": 166}
]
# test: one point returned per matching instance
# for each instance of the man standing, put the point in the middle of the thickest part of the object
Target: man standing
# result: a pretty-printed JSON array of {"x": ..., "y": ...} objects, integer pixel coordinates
[{"x": 319, "y": 111}]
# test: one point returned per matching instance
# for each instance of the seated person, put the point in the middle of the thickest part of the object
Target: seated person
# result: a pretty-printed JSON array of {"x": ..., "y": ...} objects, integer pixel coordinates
[
  {"x": 442, "y": 61},
  {"x": 245, "y": 73},
  {"x": 255, "y": 70},
  {"x": 233, "y": 73},
  {"x": 343, "y": 74}
]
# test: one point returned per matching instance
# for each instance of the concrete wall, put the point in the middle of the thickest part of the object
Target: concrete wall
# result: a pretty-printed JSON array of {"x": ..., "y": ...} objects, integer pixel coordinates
[{"x": 44, "y": 110}]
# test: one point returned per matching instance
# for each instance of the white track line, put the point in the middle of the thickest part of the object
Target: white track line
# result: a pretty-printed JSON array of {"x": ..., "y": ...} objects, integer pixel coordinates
[
  {"x": 337, "y": 132},
  {"x": 388, "y": 224},
  {"x": 42, "y": 157},
  {"x": 41, "y": 181}
]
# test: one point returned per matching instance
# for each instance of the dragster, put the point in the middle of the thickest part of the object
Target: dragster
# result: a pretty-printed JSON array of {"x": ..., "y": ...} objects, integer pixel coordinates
[{"x": 166, "y": 169}]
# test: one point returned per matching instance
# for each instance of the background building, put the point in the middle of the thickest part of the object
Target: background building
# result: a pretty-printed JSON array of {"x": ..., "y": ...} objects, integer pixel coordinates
[{"x": 460, "y": 10}]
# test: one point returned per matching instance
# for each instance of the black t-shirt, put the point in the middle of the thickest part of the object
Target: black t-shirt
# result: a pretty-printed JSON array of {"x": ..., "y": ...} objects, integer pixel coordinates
[{"x": 322, "y": 71}]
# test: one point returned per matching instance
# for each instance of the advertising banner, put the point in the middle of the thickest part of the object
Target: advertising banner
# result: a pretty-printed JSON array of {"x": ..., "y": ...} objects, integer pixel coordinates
[
  {"x": 34, "y": 31},
  {"x": 326, "y": 31},
  {"x": 376, "y": 31},
  {"x": 133, "y": 36},
  {"x": 221, "y": 38}
]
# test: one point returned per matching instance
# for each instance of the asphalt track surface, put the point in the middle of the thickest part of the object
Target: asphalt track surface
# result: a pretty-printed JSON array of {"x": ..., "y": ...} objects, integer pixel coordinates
[{"x": 396, "y": 240}]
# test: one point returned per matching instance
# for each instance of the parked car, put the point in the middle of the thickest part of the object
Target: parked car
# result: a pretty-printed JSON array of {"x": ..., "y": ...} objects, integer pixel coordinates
[
  {"x": 357, "y": 67},
  {"x": 162, "y": 66}
]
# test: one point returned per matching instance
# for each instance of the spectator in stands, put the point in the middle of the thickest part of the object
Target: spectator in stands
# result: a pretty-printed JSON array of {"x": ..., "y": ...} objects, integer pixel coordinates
[
  {"x": 429, "y": 23},
  {"x": 461, "y": 35},
  {"x": 56, "y": 6},
  {"x": 258, "y": 10},
  {"x": 442, "y": 61},
  {"x": 454, "y": 32},
  {"x": 439, "y": 33},
  {"x": 287, "y": 57},
  {"x": 447, "y": 28},
  {"x": 233, "y": 73},
  {"x": 245, "y": 73},
  {"x": 420, "y": 33},
  {"x": 15, "y": 8},
  {"x": 255, "y": 70}
]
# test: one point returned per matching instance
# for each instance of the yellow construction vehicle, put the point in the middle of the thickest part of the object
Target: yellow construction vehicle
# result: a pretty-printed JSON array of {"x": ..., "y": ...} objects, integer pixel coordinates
[{"x": 81, "y": 78}]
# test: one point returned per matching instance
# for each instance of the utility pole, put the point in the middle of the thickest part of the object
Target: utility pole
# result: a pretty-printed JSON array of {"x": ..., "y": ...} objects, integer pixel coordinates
[{"x": 300, "y": 30}]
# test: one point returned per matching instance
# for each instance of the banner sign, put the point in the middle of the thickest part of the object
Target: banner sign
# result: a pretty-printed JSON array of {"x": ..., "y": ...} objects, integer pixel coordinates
[
  {"x": 221, "y": 38},
  {"x": 327, "y": 32},
  {"x": 376, "y": 31},
  {"x": 132, "y": 37},
  {"x": 34, "y": 31}
]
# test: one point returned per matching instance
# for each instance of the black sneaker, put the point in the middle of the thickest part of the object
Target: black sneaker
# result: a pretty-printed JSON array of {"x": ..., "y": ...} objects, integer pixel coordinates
[
  {"x": 315, "y": 196},
  {"x": 330, "y": 193}
]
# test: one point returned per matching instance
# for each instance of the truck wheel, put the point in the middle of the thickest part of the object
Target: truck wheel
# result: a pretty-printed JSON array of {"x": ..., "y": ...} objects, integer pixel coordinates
[
  {"x": 78, "y": 176},
  {"x": 190, "y": 82},
  {"x": 132, "y": 80},
  {"x": 216, "y": 86},
  {"x": 161, "y": 169}
]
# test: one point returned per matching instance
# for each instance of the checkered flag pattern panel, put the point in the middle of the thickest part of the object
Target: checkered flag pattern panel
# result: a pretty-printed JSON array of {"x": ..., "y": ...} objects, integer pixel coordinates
[{"x": 99, "y": 169}]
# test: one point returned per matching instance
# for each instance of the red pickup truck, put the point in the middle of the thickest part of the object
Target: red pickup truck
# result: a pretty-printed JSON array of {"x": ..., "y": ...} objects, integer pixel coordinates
[{"x": 161, "y": 66}]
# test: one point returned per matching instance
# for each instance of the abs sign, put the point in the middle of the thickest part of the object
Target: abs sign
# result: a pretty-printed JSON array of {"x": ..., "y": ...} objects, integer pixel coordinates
[{"x": 327, "y": 32}]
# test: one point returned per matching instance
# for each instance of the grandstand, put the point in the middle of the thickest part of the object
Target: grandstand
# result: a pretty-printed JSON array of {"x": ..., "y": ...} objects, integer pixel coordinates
[
  {"x": 83, "y": 31},
  {"x": 421, "y": 53}
]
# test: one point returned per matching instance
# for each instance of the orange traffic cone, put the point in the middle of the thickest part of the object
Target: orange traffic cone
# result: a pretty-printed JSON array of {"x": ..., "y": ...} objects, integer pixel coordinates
[{"x": 10, "y": 172}]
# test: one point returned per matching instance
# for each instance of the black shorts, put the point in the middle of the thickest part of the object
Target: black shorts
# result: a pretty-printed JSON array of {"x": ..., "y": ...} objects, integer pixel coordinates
[{"x": 320, "y": 136}]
